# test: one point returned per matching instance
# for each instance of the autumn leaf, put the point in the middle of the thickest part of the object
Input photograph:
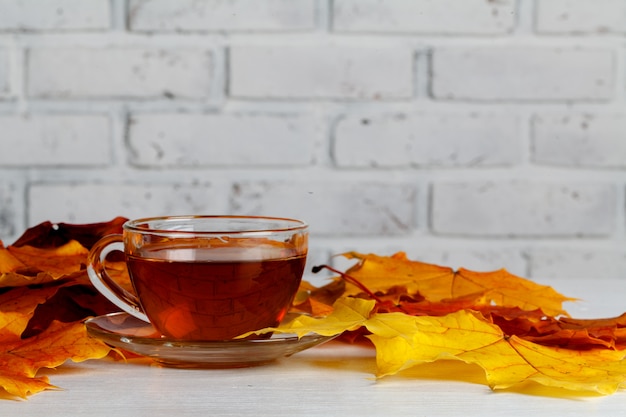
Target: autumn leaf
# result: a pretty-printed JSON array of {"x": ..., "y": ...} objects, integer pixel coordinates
[
  {"x": 49, "y": 235},
  {"x": 8, "y": 261},
  {"x": 347, "y": 314},
  {"x": 57, "y": 261},
  {"x": 45, "y": 296},
  {"x": 24, "y": 351},
  {"x": 23, "y": 386},
  {"x": 21, "y": 359},
  {"x": 437, "y": 283},
  {"x": 31, "y": 338},
  {"x": 49, "y": 252},
  {"x": 69, "y": 304},
  {"x": 466, "y": 336},
  {"x": 580, "y": 333},
  {"x": 17, "y": 307},
  {"x": 378, "y": 273},
  {"x": 45, "y": 265},
  {"x": 514, "y": 329},
  {"x": 403, "y": 341}
]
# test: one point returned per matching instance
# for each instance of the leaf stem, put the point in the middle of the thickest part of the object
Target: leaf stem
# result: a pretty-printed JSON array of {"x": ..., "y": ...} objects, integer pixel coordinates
[{"x": 354, "y": 282}]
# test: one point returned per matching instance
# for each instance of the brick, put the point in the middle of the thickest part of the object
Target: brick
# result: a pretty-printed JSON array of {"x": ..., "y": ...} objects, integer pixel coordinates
[
  {"x": 82, "y": 203},
  {"x": 580, "y": 140},
  {"x": 581, "y": 16},
  {"x": 523, "y": 209},
  {"x": 4, "y": 73},
  {"x": 55, "y": 140},
  {"x": 572, "y": 263},
  {"x": 191, "y": 140},
  {"x": 433, "y": 140},
  {"x": 55, "y": 15},
  {"x": 523, "y": 73},
  {"x": 7, "y": 211},
  {"x": 118, "y": 73},
  {"x": 321, "y": 71},
  {"x": 333, "y": 209},
  {"x": 217, "y": 15},
  {"x": 475, "y": 17}
]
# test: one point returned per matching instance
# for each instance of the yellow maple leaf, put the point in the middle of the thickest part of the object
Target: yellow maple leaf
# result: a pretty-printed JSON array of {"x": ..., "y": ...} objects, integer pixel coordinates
[
  {"x": 465, "y": 336},
  {"x": 403, "y": 341},
  {"x": 348, "y": 314}
]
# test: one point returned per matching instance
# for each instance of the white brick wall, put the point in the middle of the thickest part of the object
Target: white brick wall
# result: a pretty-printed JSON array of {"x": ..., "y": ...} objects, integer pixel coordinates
[
  {"x": 462, "y": 141},
  {"x": 221, "y": 140},
  {"x": 83, "y": 203},
  {"x": 523, "y": 73},
  {"x": 62, "y": 15},
  {"x": 216, "y": 15},
  {"x": 554, "y": 263},
  {"x": 333, "y": 208},
  {"x": 473, "y": 133},
  {"x": 55, "y": 140},
  {"x": 580, "y": 140},
  {"x": 321, "y": 71},
  {"x": 523, "y": 209},
  {"x": 118, "y": 73},
  {"x": 581, "y": 16},
  {"x": 7, "y": 215},
  {"x": 476, "y": 17},
  {"x": 4, "y": 72}
]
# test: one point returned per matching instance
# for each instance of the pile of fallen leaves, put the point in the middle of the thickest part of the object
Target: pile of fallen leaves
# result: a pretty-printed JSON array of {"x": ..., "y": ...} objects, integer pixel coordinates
[
  {"x": 410, "y": 312},
  {"x": 514, "y": 329},
  {"x": 45, "y": 295}
]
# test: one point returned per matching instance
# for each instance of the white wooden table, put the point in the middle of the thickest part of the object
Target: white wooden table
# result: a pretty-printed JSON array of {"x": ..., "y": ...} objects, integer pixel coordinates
[{"x": 329, "y": 380}]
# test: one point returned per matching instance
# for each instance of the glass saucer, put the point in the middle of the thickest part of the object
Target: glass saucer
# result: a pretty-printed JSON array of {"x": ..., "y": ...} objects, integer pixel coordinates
[{"x": 121, "y": 330}]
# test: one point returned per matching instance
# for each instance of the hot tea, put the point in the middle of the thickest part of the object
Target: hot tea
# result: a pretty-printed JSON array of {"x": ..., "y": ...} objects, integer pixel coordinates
[
  {"x": 214, "y": 293},
  {"x": 205, "y": 278}
]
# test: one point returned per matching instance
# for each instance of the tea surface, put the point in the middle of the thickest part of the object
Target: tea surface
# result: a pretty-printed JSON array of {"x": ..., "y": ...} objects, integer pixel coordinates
[{"x": 215, "y": 294}]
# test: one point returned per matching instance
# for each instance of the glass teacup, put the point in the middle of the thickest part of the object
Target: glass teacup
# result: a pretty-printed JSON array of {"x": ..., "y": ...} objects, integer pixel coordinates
[{"x": 205, "y": 277}]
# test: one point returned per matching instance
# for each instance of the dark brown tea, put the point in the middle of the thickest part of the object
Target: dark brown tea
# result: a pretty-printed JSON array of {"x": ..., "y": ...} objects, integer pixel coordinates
[{"x": 219, "y": 293}]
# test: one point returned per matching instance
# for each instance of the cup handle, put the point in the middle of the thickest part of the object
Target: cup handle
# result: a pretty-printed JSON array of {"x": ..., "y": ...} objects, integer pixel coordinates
[{"x": 100, "y": 279}]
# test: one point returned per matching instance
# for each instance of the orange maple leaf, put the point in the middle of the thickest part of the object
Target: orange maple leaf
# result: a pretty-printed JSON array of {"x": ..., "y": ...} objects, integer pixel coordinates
[
  {"x": 21, "y": 359},
  {"x": 17, "y": 307},
  {"x": 436, "y": 283},
  {"x": 49, "y": 252},
  {"x": 43, "y": 265},
  {"x": 44, "y": 298},
  {"x": 49, "y": 346},
  {"x": 8, "y": 261}
]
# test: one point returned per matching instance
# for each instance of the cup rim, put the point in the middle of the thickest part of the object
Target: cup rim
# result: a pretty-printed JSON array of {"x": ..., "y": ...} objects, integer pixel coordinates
[{"x": 291, "y": 224}]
